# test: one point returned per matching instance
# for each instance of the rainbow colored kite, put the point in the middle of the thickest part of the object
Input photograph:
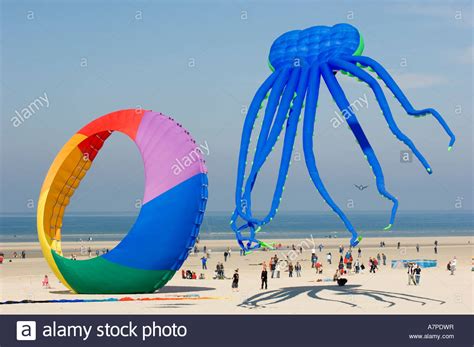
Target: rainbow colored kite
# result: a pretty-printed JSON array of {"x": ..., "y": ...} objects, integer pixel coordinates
[{"x": 169, "y": 220}]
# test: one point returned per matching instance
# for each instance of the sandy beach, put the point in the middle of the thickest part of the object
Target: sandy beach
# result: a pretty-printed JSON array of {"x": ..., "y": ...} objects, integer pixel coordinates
[{"x": 384, "y": 292}]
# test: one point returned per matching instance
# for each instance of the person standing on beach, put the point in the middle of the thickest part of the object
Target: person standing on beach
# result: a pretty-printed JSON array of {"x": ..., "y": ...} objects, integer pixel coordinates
[
  {"x": 320, "y": 247},
  {"x": 298, "y": 269},
  {"x": 417, "y": 248},
  {"x": 417, "y": 272},
  {"x": 436, "y": 246},
  {"x": 357, "y": 266},
  {"x": 272, "y": 267},
  {"x": 235, "y": 281},
  {"x": 329, "y": 257},
  {"x": 341, "y": 265},
  {"x": 398, "y": 245},
  {"x": 371, "y": 265},
  {"x": 341, "y": 249},
  {"x": 277, "y": 269},
  {"x": 314, "y": 259},
  {"x": 204, "y": 263},
  {"x": 46, "y": 282},
  {"x": 290, "y": 269},
  {"x": 378, "y": 257},
  {"x": 411, "y": 274},
  {"x": 23, "y": 254},
  {"x": 384, "y": 259},
  {"x": 264, "y": 278},
  {"x": 359, "y": 252},
  {"x": 452, "y": 266}
]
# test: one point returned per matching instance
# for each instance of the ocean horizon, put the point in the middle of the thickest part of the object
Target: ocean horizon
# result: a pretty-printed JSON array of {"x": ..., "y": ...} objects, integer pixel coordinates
[{"x": 108, "y": 226}]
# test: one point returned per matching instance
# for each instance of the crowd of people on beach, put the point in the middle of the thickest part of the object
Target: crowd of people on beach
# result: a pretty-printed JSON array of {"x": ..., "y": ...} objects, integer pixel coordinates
[
  {"x": 276, "y": 265},
  {"x": 347, "y": 265}
]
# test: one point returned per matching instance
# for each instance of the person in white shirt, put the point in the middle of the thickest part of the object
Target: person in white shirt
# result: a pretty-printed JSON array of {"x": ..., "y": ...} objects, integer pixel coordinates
[
  {"x": 453, "y": 264},
  {"x": 277, "y": 269}
]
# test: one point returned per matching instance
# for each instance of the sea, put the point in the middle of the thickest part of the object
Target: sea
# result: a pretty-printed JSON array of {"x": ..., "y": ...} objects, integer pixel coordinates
[{"x": 114, "y": 226}]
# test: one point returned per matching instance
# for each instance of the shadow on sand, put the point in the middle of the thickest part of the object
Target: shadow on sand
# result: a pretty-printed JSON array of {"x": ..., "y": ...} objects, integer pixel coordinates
[{"x": 346, "y": 294}]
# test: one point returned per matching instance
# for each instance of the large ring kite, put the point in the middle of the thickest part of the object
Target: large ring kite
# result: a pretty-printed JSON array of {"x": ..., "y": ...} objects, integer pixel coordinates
[{"x": 169, "y": 220}]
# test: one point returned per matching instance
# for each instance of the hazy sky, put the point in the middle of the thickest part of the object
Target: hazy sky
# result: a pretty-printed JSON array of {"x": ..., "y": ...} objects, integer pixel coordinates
[{"x": 202, "y": 63}]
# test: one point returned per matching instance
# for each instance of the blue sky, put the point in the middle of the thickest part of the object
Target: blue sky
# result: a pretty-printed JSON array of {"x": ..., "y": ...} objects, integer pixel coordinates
[{"x": 202, "y": 62}]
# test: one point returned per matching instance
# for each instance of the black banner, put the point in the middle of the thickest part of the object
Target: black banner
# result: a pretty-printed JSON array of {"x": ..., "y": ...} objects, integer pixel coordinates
[{"x": 236, "y": 330}]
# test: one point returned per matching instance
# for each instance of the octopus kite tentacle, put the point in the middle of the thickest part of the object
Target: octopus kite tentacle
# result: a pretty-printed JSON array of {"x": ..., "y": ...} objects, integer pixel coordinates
[
  {"x": 288, "y": 144},
  {"x": 308, "y": 131},
  {"x": 398, "y": 93},
  {"x": 269, "y": 118},
  {"x": 289, "y": 111},
  {"x": 245, "y": 140},
  {"x": 379, "y": 95},
  {"x": 298, "y": 59},
  {"x": 343, "y": 104},
  {"x": 271, "y": 109},
  {"x": 292, "y": 115},
  {"x": 262, "y": 155},
  {"x": 249, "y": 123}
]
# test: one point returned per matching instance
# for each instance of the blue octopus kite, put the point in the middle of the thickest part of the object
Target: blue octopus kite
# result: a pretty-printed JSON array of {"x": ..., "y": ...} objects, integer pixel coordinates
[{"x": 298, "y": 59}]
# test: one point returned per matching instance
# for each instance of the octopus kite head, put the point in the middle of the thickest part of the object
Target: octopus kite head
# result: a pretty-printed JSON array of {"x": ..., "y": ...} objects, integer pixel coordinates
[
  {"x": 300, "y": 60},
  {"x": 316, "y": 44}
]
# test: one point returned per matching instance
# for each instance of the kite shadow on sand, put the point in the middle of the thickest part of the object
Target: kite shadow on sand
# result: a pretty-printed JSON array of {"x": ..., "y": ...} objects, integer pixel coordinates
[{"x": 345, "y": 293}]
